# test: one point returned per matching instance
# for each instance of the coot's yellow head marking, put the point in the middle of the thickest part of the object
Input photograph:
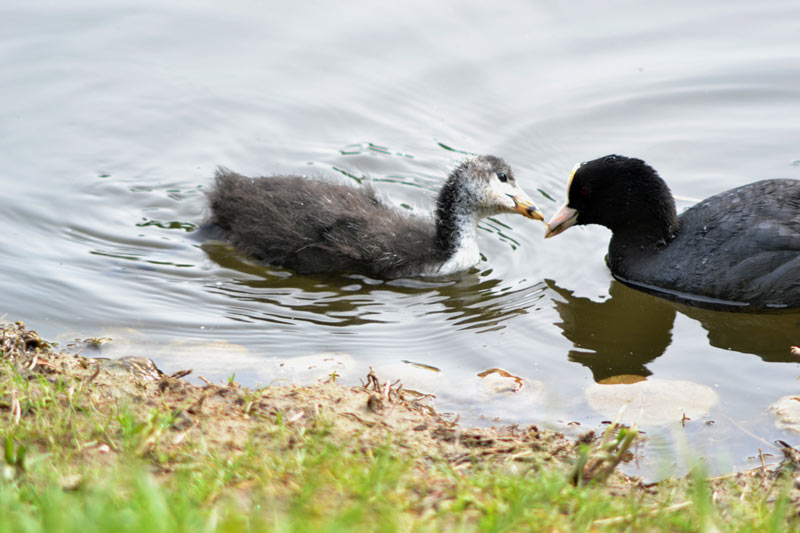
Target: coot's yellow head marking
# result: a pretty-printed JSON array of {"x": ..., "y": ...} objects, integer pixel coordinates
[{"x": 572, "y": 175}]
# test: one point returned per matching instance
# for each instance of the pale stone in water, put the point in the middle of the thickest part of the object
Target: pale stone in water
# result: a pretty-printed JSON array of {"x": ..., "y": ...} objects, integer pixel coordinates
[
  {"x": 652, "y": 402},
  {"x": 217, "y": 360},
  {"x": 787, "y": 413}
]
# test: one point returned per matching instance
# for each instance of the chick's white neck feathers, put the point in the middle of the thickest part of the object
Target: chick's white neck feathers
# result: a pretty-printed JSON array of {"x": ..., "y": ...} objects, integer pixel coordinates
[{"x": 464, "y": 246}]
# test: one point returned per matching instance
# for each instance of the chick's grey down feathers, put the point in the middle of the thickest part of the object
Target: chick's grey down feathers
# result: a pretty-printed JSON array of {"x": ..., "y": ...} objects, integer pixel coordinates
[{"x": 314, "y": 226}]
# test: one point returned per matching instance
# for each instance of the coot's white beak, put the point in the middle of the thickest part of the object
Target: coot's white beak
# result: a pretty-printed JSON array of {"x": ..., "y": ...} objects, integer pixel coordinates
[{"x": 565, "y": 218}]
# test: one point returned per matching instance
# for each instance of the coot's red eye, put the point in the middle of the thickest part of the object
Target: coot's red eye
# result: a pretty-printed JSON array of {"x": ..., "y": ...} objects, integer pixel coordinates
[{"x": 585, "y": 190}]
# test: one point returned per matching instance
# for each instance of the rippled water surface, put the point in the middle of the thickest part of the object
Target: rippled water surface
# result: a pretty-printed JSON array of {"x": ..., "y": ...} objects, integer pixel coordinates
[{"x": 113, "y": 117}]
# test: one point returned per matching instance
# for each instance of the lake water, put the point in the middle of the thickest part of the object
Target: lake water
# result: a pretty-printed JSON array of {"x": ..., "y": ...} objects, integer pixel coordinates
[{"x": 113, "y": 117}]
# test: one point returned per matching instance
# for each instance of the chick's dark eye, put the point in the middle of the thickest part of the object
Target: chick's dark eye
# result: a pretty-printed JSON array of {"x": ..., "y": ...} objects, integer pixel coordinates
[{"x": 502, "y": 176}]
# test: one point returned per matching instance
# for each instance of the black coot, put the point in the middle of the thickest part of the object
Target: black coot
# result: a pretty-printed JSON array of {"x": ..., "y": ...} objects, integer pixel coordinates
[
  {"x": 313, "y": 226},
  {"x": 738, "y": 248}
]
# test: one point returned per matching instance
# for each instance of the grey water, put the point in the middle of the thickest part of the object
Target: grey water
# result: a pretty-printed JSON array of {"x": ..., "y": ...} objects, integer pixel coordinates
[{"x": 114, "y": 115}]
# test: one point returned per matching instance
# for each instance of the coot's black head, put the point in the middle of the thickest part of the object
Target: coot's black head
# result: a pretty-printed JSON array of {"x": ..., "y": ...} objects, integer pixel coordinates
[{"x": 624, "y": 194}]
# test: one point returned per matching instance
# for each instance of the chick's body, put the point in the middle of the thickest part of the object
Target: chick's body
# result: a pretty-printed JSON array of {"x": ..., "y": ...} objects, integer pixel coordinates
[{"x": 314, "y": 226}]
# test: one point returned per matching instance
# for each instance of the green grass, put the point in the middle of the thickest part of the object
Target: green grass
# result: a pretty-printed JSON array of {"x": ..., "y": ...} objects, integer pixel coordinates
[
  {"x": 333, "y": 492},
  {"x": 74, "y": 463}
]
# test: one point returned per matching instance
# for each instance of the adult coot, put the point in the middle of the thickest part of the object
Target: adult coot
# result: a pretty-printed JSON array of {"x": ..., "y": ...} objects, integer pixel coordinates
[
  {"x": 313, "y": 226},
  {"x": 738, "y": 248}
]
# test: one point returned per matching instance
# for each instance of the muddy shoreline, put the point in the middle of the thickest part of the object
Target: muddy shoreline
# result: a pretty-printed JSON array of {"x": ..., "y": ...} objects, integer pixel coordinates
[
  {"x": 173, "y": 418},
  {"x": 226, "y": 414}
]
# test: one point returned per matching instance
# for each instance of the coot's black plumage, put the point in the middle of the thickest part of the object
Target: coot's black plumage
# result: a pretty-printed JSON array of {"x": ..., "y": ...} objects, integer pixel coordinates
[
  {"x": 740, "y": 247},
  {"x": 313, "y": 226}
]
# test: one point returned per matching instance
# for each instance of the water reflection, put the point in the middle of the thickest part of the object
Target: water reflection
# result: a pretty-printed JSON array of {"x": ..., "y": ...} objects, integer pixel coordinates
[
  {"x": 472, "y": 301},
  {"x": 490, "y": 304},
  {"x": 630, "y": 329},
  {"x": 620, "y": 335},
  {"x": 767, "y": 335}
]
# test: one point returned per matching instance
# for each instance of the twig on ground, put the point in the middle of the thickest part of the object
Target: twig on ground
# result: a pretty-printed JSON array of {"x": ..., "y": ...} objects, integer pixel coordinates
[{"x": 630, "y": 517}]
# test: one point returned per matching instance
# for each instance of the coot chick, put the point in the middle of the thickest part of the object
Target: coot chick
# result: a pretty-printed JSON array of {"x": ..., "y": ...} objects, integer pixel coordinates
[
  {"x": 739, "y": 248},
  {"x": 313, "y": 226}
]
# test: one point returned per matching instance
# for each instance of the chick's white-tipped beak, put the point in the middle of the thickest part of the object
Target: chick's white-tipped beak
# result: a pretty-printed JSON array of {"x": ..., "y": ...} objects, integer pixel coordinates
[
  {"x": 525, "y": 206},
  {"x": 565, "y": 218}
]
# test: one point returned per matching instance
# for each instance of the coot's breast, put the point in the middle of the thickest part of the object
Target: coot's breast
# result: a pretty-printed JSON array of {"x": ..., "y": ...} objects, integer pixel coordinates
[{"x": 740, "y": 246}]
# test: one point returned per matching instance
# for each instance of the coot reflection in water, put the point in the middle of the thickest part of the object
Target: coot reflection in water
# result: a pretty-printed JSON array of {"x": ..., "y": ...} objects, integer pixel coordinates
[
  {"x": 617, "y": 336},
  {"x": 629, "y": 330}
]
